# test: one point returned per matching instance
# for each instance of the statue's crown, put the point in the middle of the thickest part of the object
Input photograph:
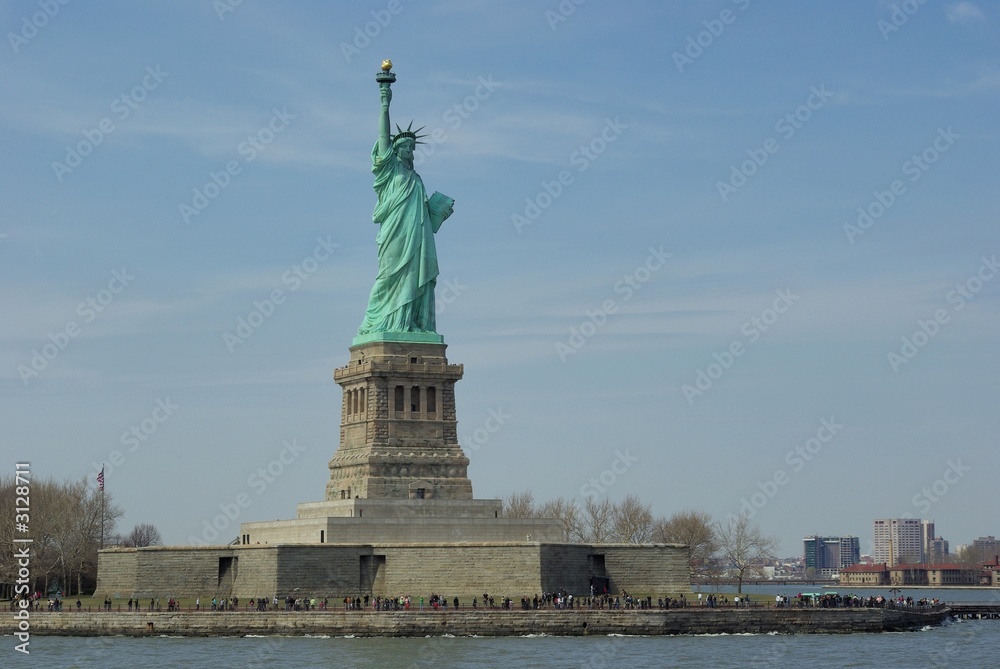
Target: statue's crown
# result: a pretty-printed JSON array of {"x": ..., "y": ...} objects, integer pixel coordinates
[{"x": 409, "y": 133}]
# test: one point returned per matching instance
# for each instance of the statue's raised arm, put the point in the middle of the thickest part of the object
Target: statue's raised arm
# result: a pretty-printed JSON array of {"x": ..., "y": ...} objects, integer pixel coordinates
[{"x": 385, "y": 97}]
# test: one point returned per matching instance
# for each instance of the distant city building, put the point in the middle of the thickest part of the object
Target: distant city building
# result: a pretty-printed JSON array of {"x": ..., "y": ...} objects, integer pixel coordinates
[
  {"x": 927, "y": 538},
  {"x": 826, "y": 556},
  {"x": 952, "y": 574},
  {"x": 898, "y": 540},
  {"x": 937, "y": 551},
  {"x": 864, "y": 574},
  {"x": 986, "y": 548},
  {"x": 910, "y": 574},
  {"x": 991, "y": 573}
]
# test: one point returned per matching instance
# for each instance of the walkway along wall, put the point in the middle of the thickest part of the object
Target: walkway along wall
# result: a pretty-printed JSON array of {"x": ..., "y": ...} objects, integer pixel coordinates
[{"x": 483, "y": 623}]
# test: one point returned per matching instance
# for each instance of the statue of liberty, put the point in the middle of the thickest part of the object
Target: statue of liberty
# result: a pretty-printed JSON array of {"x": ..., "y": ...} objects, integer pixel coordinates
[{"x": 402, "y": 299}]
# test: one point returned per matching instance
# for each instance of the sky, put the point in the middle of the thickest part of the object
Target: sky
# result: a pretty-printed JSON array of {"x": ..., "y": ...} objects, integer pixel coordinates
[{"x": 731, "y": 256}]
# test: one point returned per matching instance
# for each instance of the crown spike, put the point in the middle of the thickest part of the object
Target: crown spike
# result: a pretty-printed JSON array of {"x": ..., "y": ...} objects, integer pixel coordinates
[{"x": 409, "y": 133}]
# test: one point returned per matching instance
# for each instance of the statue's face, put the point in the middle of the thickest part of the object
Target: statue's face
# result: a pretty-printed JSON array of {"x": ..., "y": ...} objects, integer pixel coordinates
[{"x": 404, "y": 149}]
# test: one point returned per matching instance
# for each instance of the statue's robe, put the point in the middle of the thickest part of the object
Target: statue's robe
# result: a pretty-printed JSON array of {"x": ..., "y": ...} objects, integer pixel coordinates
[{"x": 402, "y": 299}]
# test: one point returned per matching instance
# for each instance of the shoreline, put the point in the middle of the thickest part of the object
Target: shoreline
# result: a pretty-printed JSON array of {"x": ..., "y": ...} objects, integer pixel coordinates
[
  {"x": 687, "y": 621},
  {"x": 986, "y": 588}
]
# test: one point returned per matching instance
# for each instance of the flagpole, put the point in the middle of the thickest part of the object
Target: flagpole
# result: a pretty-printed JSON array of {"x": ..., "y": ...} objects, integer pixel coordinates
[{"x": 102, "y": 505}]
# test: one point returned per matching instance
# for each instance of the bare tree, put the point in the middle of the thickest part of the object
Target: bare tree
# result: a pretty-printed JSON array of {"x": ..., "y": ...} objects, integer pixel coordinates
[
  {"x": 65, "y": 532},
  {"x": 91, "y": 513},
  {"x": 46, "y": 527},
  {"x": 519, "y": 505},
  {"x": 631, "y": 521},
  {"x": 968, "y": 557},
  {"x": 568, "y": 512},
  {"x": 8, "y": 563},
  {"x": 596, "y": 520},
  {"x": 83, "y": 536},
  {"x": 694, "y": 528},
  {"x": 142, "y": 534},
  {"x": 68, "y": 542},
  {"x": 743, "y": 547}
]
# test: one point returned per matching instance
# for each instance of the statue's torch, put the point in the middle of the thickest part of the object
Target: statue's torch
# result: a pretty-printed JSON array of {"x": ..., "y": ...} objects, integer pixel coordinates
[{"x": 385, "y": 76}]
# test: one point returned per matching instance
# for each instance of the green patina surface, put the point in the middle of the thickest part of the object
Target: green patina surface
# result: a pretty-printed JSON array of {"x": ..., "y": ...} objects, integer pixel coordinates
[
  {"x": 401, "y": 304},
  {"x": 418, "y": 337}
]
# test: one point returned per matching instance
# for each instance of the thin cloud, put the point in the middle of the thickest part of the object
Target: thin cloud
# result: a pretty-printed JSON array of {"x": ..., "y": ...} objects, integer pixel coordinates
[{"x": 964, "y": 13}]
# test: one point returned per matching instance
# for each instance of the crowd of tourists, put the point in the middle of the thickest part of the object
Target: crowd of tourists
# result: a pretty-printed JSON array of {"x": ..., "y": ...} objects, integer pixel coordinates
[
  {"x": 558, "y": 600},
  {"x": 834, "y": 600}
]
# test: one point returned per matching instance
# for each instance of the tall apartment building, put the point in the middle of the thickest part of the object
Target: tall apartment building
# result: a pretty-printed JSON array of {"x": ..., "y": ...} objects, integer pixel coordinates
[
  {"x": 937, "y": 552},
  {"x": 898, "y": 541},
  {"x": 986, "y": 548},
  {"x": 927, "y": 537},
  {"x": 826, "y": 556},
  {"x": 935, "y": 547}
]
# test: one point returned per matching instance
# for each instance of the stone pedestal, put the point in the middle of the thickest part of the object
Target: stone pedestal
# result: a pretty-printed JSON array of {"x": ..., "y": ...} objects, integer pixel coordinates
[
  {"x": 398, "y": 429},
  {"x": 398, "y": 514},
  {"x": 399, "y": 474}
]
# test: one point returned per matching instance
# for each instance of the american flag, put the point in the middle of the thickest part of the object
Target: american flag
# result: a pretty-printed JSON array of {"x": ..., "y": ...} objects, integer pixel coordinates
[{"x": 100, "y": 480}]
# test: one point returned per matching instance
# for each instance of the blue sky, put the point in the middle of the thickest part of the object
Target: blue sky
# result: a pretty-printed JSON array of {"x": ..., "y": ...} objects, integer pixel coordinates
[{"x": 715, "y": 254}]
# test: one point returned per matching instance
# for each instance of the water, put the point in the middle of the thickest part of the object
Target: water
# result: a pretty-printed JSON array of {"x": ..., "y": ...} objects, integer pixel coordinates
[{"x": 958, "y": 644}]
